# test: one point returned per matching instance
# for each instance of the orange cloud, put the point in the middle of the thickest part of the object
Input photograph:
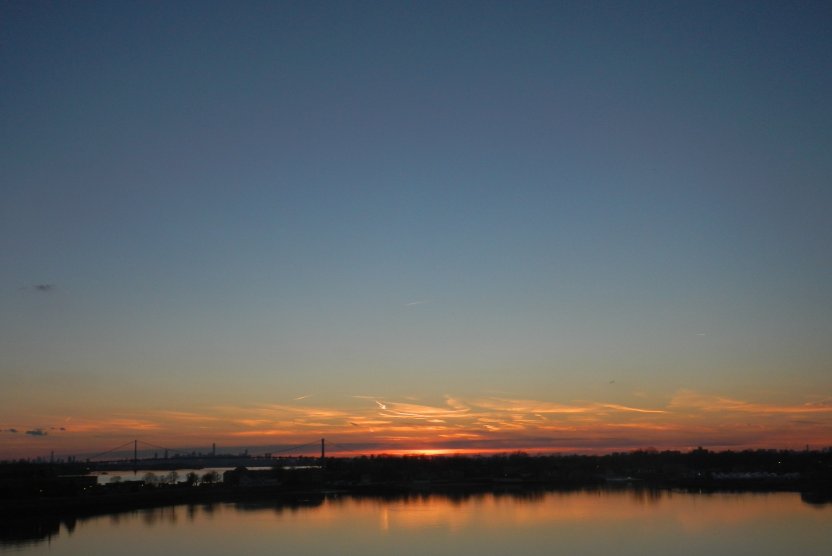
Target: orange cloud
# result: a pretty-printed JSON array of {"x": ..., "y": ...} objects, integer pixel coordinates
[
  {"x": 687, "y": 399},
  {"x": 687, "y": 419}
]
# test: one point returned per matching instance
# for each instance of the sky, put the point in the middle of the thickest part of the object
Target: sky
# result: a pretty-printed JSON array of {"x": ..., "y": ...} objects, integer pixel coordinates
[{"x": 465, "y": 226}]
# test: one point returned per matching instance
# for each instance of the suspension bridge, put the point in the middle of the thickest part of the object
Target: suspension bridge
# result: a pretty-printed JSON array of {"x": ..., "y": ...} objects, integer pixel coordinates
[{"x": 141, "y": 453}]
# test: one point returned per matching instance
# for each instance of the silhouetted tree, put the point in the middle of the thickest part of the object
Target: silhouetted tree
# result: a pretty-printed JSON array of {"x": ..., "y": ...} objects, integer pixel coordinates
[{"x": 210, "y": 477}]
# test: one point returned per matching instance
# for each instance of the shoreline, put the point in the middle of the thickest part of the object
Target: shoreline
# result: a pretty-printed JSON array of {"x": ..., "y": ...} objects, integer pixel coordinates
[{"x": 102, "y": 503}]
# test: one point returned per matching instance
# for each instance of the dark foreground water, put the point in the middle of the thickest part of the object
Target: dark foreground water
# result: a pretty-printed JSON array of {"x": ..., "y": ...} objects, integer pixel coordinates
[{"x": 569, "y": 523}]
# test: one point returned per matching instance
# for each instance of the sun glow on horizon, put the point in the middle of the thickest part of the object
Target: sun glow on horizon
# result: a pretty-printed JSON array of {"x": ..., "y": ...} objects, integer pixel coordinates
[{"x": 456, "y": 426}]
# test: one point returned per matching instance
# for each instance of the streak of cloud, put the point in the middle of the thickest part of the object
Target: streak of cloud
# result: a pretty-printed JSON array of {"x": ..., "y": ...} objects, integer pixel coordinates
[
  {"x": 633, "y": 409},
  {"x": 687, "y": 399},
  {"x": 687, "y": 419}
]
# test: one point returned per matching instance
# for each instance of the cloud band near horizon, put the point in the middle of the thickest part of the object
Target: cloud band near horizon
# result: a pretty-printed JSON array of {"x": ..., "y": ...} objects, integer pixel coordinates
[{"x": 488, "y": 424}]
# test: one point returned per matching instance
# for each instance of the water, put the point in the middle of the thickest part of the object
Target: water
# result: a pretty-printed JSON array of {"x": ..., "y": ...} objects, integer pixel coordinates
[{"x": 573, "y": 523}]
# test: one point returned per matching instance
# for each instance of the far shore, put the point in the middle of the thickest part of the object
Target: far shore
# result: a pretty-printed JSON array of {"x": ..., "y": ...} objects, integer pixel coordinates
[{"x": 57, "y": 490}]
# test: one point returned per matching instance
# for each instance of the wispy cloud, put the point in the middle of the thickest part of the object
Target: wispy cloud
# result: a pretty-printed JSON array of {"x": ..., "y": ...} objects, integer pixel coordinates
[
  {"x": 528, "y": 406},
  {"x": 687, "y": 399},
  {"x": 687, "y": 419},
  {"x": 633, "y": 409},
  {"x": 417, "y": 411},
  {"x": 121, "y": 424}
]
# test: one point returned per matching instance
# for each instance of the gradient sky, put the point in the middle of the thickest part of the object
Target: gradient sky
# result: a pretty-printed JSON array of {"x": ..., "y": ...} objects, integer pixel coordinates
[{"x": 468, "y": 225}]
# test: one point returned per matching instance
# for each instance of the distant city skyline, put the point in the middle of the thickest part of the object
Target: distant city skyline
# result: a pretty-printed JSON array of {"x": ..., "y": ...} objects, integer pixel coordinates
[{"x": 560, "y": 226}]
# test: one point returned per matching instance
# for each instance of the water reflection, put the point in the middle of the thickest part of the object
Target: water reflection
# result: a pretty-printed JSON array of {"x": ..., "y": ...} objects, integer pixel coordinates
[
  {"x": 293, "y": 505},
  {"x": 818, "y": 499},
  {"x": 22, "y": 532},
  {"x": 485, "y": 523}
]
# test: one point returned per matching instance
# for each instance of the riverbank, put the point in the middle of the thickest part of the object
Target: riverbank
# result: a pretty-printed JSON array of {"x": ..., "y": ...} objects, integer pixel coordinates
[
  {"x": 31, "y": 489},
  {"x": 100, "y": 502}
]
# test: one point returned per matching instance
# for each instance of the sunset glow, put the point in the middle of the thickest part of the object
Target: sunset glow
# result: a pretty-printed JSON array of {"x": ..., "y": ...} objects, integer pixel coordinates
[
  {"x": 453, "y": 426},
  {"x": 414, "y": 228}
]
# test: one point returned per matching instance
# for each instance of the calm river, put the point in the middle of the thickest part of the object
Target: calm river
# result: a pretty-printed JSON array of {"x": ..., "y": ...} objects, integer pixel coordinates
[{"x": 570, "y": 523}]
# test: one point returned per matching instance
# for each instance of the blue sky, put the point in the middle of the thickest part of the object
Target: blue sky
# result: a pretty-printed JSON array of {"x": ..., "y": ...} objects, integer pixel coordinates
[{"x": 251, "y": 202}]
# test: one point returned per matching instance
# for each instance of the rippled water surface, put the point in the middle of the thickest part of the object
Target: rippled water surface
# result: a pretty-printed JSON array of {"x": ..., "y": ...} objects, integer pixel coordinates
[{"x": 587, "y": 522}]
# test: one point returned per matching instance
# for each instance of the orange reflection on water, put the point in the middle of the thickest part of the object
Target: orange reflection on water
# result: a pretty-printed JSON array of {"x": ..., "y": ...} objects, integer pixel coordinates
[
  {"x": 693, "y": 513},
  {"x": 611, "y": 508},
  {"x": 592, "y": 522}
]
